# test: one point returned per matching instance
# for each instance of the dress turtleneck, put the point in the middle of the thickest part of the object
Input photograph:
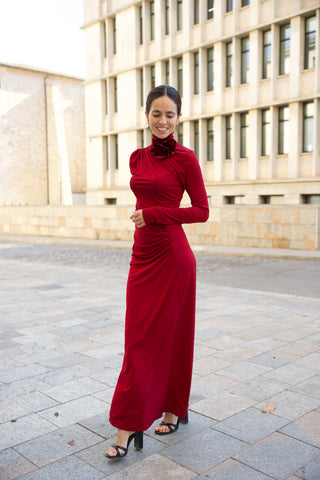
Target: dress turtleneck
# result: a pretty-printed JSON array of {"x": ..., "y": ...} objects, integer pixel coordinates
[{"x": 163, "y": 148}]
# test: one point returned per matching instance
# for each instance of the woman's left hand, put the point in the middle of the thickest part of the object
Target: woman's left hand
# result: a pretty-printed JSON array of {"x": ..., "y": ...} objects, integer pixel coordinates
[{"x": 137, "y": 218}]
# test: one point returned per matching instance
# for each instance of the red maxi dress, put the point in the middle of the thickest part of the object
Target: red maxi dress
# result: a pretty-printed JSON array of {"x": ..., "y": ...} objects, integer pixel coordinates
[{"x": 160, "y": 314}]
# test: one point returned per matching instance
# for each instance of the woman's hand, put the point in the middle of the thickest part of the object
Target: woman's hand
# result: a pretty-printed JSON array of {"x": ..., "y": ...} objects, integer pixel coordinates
[{"x": 137, "y": 218}]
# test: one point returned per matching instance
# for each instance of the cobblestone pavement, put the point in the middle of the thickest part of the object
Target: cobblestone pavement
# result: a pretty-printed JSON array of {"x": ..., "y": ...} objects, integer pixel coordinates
[{"x": 61, "y": 323}]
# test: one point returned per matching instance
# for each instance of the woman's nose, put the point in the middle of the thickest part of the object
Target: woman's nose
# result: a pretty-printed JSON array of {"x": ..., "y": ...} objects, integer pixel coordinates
[{"x": 163, "y": 120}]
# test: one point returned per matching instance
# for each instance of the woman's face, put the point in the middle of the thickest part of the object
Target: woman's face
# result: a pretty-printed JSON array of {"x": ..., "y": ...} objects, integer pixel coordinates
[{"x": 163, "y": 116}]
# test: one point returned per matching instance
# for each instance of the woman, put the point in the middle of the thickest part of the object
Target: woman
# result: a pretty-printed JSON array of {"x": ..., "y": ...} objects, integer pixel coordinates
[{"x": 159, "y": 331}]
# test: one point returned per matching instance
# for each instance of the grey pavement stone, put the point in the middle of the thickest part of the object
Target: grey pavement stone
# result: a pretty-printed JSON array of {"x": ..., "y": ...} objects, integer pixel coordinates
[
  {"x": 24, "y": 405},
  {"x": 234, "y": 472},
  {"x": 95, "y": 455},
  {"x": 24, "y": 429},
  {"x": 270, "y": 359},
  {"x": 156, "y": 467},
  {"x": 306, "y": 429},
  {"x": 251, "y": 425},
  {"x": 291, "y": 405},
  {"x": 13, "y": 465},
  {"x": 203, "y": 450},
  {"x": 311, "y": 387},
  {"x": 258, "y": 388},
  {"x": 99, "y": 424},
  {"x": 70, "y": 468},
  {"x": 56, "y": 445},
  {"x": 291, "y": 374},
  {"x": 72, "y": 390},
  {"x": 74, "y": 411},
  {"x": 21, "y": 388},
  {"x": 222, "y": 405},
  {"x": 244, "y": 370},
  {"x": 311, "y": 470},
  {"x": 20, "y": 373},
  {"x": 278, "y": 456},
  {"x": 310, "y": 361}
]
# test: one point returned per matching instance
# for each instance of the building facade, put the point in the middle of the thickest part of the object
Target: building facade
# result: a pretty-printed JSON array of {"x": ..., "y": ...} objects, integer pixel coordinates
[
  {"x": 42, "y": 138},
  {"x": 249, "y": 75}
]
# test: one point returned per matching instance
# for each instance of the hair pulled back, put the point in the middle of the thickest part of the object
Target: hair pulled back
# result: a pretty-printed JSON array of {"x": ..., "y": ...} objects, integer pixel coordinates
[{"x": 161, "y": 91}]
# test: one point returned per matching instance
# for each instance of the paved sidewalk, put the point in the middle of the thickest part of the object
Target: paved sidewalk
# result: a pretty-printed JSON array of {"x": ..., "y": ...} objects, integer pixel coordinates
[{"x": 61, "y": 350}]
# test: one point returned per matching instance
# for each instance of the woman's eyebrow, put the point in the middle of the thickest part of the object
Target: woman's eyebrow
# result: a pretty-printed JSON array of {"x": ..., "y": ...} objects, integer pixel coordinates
[{"x": 158, "y": 111}]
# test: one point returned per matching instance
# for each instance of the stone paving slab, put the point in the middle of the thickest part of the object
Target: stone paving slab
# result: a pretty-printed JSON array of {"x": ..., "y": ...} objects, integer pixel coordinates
[
  {"x": 61, "y": 340},
  {"x": 58, "y": 444},
  {"x": 278, "y": 456},
  {"x": 251, "y": 425}
]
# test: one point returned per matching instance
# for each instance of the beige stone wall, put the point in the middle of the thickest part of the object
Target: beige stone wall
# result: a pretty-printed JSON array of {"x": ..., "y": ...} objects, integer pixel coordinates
[
  {"x": 296, "y": 227},
  {"x": 42, "y": 137}
]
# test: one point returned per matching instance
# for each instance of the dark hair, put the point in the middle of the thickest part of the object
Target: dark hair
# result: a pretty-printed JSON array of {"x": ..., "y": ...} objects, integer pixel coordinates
[{"x": 161, "y": 91}]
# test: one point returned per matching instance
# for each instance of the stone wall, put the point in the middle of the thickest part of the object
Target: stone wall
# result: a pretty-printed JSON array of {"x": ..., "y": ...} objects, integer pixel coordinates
[
  {"x": 266, "y": 226},
  {"x": 42, "y": 137}
]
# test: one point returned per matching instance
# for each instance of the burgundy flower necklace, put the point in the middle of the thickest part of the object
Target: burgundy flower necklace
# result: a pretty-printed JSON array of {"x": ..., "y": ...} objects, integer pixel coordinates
[{"x": 163, "y": 147}]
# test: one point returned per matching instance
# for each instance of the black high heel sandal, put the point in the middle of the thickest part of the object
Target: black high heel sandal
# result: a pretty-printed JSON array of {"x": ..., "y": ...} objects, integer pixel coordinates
[
  {"x": 173, "y": 427},
  {"x": 138, "y": 444}
]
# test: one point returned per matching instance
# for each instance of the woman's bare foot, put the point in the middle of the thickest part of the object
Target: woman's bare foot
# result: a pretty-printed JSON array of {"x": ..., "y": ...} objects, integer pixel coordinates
[
  {"x": 121, "y": 441},
  {"x": 167, "y": 418}
]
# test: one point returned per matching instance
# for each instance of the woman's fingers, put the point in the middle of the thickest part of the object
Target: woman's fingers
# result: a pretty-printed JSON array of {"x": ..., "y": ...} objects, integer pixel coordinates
[{"x": 137, "y": 218}]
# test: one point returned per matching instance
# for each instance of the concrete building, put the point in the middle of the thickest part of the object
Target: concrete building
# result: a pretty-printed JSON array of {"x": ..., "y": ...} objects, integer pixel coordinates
[
  {"x": 42, "y": 137},
  {"x": 249, "y": 75}
]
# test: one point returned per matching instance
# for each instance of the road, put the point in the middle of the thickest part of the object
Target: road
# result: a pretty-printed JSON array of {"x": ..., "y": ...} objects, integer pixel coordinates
[{"x": 295, "y": 277}]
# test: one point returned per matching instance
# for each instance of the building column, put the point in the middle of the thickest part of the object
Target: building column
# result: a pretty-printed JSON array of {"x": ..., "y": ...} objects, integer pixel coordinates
[
  {"x": 316, "y": 139},
  {"x": 202, "y": 142},
  {"x": 254, "y": 143},
  {"x": 235, "y": 121},
  {"x": 274, "y": 125},
  {"x": 219, "y": 141},
  {"x": 295, "y": 136},
  {"x": 296, "y": 55}
]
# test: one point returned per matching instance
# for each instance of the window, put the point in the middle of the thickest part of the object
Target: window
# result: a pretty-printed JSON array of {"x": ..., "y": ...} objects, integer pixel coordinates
[
  {"x": 266, "y": 56},
  {"x": 180, "y": 133},
  {"x": 180, "y": 75},
  {"x": 153, "y": 76},
  {"x": 140, "y": 26},
  {"x": 179, "y": 15},
  {"x": 116, "y": 153},
  {"x": 114, "y": 30},
  {"x": 196, "y": 73},
  {"x": 105, "y": 153},
  {"x": 196, "y": 139},
  {"x": 167, "y": 72},
  {"x": 265, "y": 132},
  {"x": 167, "y": 18},
  {"x": 110, "y": 201},
  {"x": 313, "y": 198},
  {"x": 310, "y": 43},
  {"x": 196, "y": 12},
  {"x": 210, "y": 9},
  {"x": 283, "y": 144},
  {"x": 244, "y": 59},
  {"x": 115, "y": 85},
  {"x": 104, "y": 39},
  {"x": 210, "y": 65},
  {"x": 141, "y": 139},
  {"x": 284, "y": 67},
  {"x": 210, "y": 140},
  {"x": 308, "y": 113},
  {"x": 152, "y": 20},
  {"x": 228, "y": 136},
  {"x": 233, "y": 199},
  {"x": 105, "y": 87},
  {"x": 245, "y": 3},
  {"x": 272, "y": 199},
  {"x": 243, "y": 134},
  {"x": 141, "y": 88},
  {"x": 229, "y": 6},
  {"x": 229, "y": 50}
]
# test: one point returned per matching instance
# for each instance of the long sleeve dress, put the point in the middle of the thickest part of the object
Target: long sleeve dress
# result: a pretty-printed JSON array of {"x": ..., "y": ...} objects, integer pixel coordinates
[{"x": 161, "y": 289}]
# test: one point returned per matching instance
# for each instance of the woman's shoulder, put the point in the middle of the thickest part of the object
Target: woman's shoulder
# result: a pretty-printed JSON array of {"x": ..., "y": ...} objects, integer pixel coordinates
[
  {"x": 136, "y": 155},
  {"x": 185, "y": 154}
]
